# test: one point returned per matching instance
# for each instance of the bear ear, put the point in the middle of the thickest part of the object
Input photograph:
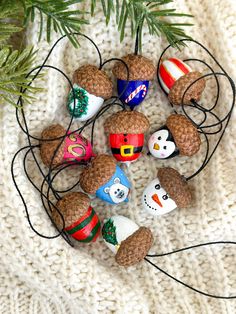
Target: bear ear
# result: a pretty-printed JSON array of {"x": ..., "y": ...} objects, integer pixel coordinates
[
  {"x": 106, "y": 190},
  {"x": 117, "y": 180}
]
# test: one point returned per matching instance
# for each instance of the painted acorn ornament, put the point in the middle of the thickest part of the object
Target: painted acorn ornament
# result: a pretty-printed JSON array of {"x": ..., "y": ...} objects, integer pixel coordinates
[
  {"x": 91, "y": 87},
  {"x": 175, "y": 77},
  {"x": 177, "y": 136},
  {"x": 126, "y": 134},
  {"x": 167, "y": 192},
  {"x": 129, "y": 242},
  {"x": 141, "y": 71},
  {"x": 74, "y": 148},
  {"x": 81, "y": 221},
  {"x": 105, "y": 179}
]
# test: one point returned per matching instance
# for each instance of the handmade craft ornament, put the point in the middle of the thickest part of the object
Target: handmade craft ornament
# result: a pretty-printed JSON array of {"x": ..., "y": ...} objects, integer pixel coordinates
[
  {"x": 74, "y": 148},
  {"x": 175, "y": 77},
  {"x": 91, "y": 87},
  {"x": 81, "y": 221},
  {"x": 177, "y": 136},
  {"x": 105, "y": 179},
  {"x": 167, "y": 192},
  {"x": 126, "y": 134},
  {"x": 127, "y": 240},
  {"x": 141, "y": 70}
]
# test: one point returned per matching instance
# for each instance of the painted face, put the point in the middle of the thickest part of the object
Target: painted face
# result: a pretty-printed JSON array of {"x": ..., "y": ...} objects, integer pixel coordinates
[
  {"x": 161, "y": 144},
  {"x": 156, "y": 200},
  {"x": 116, "y": 190}
]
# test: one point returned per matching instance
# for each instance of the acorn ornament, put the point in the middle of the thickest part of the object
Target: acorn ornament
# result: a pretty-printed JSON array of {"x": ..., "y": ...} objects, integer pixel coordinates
[
  {"x": 127, "y": 240},
  {"x": 167, "y": 192},
  {"x": 91, "y": 86},
  {"x": 177, "y": 137},
  {"x": 74, "y": 148},
  {"x": 81, "y": 221},
  {"x": 126, "y": 134},
  {"x": 141, "y": 70},
  {"x": 105, "y": 179},
  {"x": 175, "y": 77}
]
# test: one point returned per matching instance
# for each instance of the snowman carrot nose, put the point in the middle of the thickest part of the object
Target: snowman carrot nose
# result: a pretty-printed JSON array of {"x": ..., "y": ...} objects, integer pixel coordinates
[
  {"x": 156, "y": 146},
  {"x": 156, "y": 199}
]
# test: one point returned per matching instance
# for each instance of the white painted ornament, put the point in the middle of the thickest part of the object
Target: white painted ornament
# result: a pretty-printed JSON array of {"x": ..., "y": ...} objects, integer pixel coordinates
[
  {"x": 156, "y": 201},
  {"x": 86, "y": 105}
]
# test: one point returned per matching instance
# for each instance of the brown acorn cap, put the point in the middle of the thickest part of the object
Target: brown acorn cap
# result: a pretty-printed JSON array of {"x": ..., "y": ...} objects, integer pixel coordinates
[
  {"x": 185, "y": 134},
  {"x": 47, "y": 149},
  {"x": 98, "y": 173},
  {"x": 175, "y": 185},
  {"x": 126, "y": 122},
  {"x": 133, "y": 249},
  {"x": 72, "y": 206},
  {"x": 94, "y": 81},
  {"x": 140, "y": 68},
  {"x": 180, "y": 86}
]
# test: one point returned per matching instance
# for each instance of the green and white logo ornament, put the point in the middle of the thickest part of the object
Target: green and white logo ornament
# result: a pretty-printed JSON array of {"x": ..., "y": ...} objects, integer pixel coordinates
[{"x": 86, "y": 105}]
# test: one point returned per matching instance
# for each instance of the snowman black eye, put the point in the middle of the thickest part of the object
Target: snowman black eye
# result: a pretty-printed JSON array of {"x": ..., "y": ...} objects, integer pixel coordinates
[
  {"x": 159, "y": 138},
  {"x": 157, "y": 186},
  {"x": 165, "y": 197},
  {"x": 115, "y": 192},
  {"x": 164, "y": 147}
]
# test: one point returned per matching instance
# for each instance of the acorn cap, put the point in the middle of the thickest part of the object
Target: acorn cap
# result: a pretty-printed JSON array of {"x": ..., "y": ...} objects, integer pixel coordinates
[
  {"x": 126, "y": 122},
  {"x": 180, "y": 86},
  {"x": 72, "y": 206},
  {"x": 94, "y": 81},
  {"x": 185, "y": 134},
  {"x": 140, "y": 68},
  {"x": 175, "y": 185},
  {"x": 47, "y": 149},
  {"x": 133, "y": 249},
  {"x": 98, "y": 173}
]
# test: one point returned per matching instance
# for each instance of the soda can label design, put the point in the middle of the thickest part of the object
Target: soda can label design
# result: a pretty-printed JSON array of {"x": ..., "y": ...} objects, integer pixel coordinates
[
  {"x": 116, "y": 190},
  {"x": 133, "y": 92},
  {"x": 77, "y": 148}
]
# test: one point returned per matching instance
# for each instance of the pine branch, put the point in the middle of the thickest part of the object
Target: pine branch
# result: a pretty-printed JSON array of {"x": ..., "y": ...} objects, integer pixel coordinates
[
  {"x": 14, "y": 66},
  {"x": 141, "y": 12},
  {"x": 56, "y": 15}
]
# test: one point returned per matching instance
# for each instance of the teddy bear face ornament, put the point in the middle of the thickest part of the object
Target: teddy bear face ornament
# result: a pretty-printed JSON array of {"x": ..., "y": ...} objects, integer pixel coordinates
[{"x": 156, "y": 201}]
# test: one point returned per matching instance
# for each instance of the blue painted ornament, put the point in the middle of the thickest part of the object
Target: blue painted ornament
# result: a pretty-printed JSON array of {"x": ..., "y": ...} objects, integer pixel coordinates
[
  {"x": 133, "y": 78},
  {"x": 132, "y": 93},
  {"x": 106, "y": 180}
]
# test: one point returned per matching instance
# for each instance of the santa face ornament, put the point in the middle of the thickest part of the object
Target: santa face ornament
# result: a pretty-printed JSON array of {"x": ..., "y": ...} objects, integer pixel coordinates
[
  {"x": 156, "y": 201},
  {"x": 161, "y": 144}
]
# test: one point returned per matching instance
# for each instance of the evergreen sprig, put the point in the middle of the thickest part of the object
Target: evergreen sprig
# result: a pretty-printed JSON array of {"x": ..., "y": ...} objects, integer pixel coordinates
[{"x": 140, "y": 12}]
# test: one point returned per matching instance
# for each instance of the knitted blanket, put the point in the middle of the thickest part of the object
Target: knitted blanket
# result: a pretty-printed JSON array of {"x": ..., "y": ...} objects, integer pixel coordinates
[{"x": 48, "y": 276}]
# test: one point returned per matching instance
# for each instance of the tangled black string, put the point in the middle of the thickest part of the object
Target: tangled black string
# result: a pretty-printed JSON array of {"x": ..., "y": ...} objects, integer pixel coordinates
[{"x": 50, "y": 175}]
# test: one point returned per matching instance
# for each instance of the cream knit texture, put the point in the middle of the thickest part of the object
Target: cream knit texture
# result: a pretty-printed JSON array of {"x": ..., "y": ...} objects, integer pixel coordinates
[{"x": 39, "y": 276}]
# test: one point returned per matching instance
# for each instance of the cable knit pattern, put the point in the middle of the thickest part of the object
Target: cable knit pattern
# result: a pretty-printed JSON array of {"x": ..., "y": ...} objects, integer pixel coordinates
[{"x": 49, "y": 277}]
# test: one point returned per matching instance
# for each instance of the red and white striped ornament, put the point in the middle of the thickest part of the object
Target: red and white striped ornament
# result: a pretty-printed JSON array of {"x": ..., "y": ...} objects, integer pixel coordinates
[{"x": 170, "y": 71}]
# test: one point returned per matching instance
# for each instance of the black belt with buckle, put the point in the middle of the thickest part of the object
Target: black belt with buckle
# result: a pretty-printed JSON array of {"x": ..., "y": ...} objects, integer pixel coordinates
[{"x": 127, "y": 151}]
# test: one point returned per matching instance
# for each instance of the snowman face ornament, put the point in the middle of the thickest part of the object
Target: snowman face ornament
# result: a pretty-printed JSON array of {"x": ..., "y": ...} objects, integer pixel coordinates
[
  {"x": 156, "y": 200},
  {"x": 161, "y": 144}
]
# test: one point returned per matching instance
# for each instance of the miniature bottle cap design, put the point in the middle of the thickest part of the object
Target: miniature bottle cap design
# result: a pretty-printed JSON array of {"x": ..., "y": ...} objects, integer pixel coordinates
[
  {"x": 127, "y": 240},
  {"x": 81, "y": 221},
  {"x": 167, "y": 192},
  {"x": 105, "y": 179},
  {"x": 141, "y": 70},
  {"x": 126, "y": 134},
  {"x": 177, "y": 136},
  {"x": 175, "y": 77},
  {"x": 91, "y": 87},
  {"x": 74, "y": 148}
]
